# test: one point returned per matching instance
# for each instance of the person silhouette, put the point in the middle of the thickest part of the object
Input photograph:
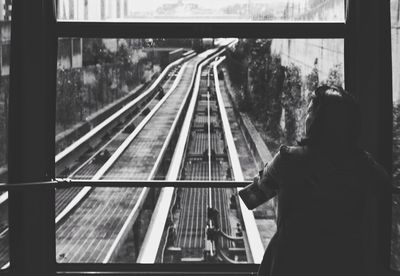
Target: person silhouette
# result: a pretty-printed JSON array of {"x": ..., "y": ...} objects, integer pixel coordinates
[{"x": 330, "y": 194}]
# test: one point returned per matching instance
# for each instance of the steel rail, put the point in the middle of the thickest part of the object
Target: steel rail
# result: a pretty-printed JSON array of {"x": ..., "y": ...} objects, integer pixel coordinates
[
  {"x": 152, "y": 240},
  {"x": 59, "y": 159},
  {"x": 160, "y": 157},
  {"x": 254, "y": 241},
  {"x": 100, "y": 128},
  {"x": 168, "y": 83},
  {"x": 82, "y": 194},
  {"x": 113, "y": 138}
]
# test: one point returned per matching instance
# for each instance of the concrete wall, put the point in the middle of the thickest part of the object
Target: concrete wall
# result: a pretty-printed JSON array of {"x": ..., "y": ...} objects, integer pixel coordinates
[
  {"x": 328, "y": 10},
  {"x": 305, "y": 52},
  {"x": 327, "y": 53}
]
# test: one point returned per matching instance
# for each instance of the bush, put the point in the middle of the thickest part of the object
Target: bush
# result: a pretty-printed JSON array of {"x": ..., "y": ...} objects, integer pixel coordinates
[{"x": 82, "y": 91}]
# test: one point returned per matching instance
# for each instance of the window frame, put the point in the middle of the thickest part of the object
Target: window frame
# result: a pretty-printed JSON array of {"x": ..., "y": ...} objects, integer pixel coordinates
[{"x": 51, "y": 30}]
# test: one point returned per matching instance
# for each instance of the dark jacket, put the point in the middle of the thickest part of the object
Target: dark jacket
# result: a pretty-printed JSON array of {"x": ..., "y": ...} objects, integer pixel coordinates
[{"x": 327, "y": 212}]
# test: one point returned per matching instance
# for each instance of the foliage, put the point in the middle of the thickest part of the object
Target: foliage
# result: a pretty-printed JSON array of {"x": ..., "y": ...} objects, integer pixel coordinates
[
  {"x": 4, "y": 88},
  {"x": 82, "y": 91},
  {"x": 267, "y": 88},
  {"x": 292, "y": 101},
  {"x": 312, "y": 79},
  {"x": 396, "y": 144},
  {"x": 95, "y": 52},
  {"x": 335, "y": 76},
  {"x": 69, "y": 98},
  {"x": 260, "y": 78},
  {"x": 396, "y": 181}
]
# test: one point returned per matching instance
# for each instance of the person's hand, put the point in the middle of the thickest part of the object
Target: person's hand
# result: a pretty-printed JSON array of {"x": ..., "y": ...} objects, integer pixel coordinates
[{"x": 257, "y": 178}]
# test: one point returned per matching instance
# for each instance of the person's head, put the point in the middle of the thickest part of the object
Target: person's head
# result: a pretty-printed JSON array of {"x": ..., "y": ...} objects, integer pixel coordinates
[{"x": 333, "y": 118}]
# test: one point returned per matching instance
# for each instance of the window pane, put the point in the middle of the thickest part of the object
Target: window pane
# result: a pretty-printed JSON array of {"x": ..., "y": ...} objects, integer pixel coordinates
[
  {"x": 395, "y": 16},
  {"x": 201, "y": 10},
  {"x": 129, "y": 112},
  {"x": 5, "y": 39}
]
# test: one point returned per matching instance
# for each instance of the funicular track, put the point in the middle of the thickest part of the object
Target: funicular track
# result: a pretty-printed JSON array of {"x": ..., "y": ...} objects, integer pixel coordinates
[
  {"x": 182, "y": 218},
  {"x": 204, "y": 161},
  {"x": 83, "y": 155},
  {"x": 96, "y": 158},
  {"x": 113, "y": 131},
  {"x": 98, "y": 227}
]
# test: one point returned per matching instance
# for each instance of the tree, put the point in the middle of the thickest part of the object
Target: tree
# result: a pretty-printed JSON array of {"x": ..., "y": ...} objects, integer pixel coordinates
[
  {"x": 312, "y": 79},
  {"x": 335, "y": 76},
  {"x": 95, "y": 52},
  {"x": 291, "y": 100}
]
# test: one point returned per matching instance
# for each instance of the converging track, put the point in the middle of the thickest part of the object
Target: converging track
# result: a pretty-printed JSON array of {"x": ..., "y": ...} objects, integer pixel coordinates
[
  {"x": 205, "y": 160},
  {"x": 89, "y": 162},
  {"x": 179, "y": 227},
  {"x": 95, "y": 229},
  {"x": 93, "y": 224}
]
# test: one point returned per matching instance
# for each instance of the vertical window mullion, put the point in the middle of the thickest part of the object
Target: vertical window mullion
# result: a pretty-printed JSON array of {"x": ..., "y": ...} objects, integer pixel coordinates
[{"x": 31, "y": 136}]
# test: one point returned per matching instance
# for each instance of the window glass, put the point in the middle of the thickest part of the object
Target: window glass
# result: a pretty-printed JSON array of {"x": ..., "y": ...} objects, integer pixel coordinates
[
  {"x": 5, "y": 39},
  {"x": 395, "y": 18},
  {"x": 201, "y": 10},
  {"x": 130, "y": 109}
]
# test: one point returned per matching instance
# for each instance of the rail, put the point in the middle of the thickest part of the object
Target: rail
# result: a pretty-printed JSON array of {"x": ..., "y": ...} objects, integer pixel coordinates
[
  {"x": 67, "y": 155},
  {"x": 152, "y": 240},
  {"x": 82, "y": 194},
  {"x": 64, "y": 157},
  {"x": 254, "y": 241}
]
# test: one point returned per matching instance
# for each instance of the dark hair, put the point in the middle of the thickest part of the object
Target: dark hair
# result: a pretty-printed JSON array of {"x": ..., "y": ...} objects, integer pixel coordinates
[{"x": 333, "y": 104}]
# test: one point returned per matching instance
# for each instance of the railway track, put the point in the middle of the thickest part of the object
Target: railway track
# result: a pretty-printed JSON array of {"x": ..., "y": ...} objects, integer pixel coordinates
[
  {"x": 88, "y": 163},
  {"x": 181, "y": 218},
  {"x": 95, "y": 160},
  {"x": 114, "y": 210},
  {"x": 98, "y": 225},
  {"x": 208, "y": 142}
]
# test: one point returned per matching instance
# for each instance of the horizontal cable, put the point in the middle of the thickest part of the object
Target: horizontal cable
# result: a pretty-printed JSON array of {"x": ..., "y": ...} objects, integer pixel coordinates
[
  {"x": 200, "y": 30},
  {"x": 68, "y": 183}
]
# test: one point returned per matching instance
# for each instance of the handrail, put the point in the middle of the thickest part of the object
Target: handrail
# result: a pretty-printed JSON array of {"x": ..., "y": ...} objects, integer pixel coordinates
[{"x": 68, "y": 183}]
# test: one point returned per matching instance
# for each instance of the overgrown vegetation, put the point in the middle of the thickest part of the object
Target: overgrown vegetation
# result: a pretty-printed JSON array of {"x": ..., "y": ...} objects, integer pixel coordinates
[
  {"x": 274, "y": 95},
  {"x": 4, "y": 88},
  {"x": 106, "y": 75},
  {"x": 396, "y": 181}
]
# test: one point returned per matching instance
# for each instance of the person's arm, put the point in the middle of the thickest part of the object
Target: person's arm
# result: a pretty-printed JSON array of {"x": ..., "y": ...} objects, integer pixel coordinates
[{"x": 265, "y": 184}]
